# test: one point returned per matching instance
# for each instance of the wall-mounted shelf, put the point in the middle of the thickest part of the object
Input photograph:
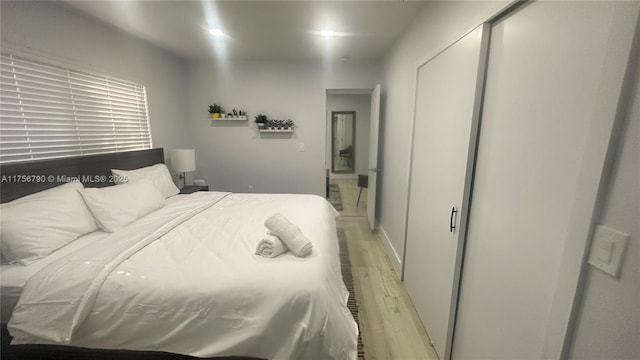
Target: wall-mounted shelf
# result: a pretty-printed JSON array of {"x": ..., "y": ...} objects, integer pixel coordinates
[
  {"x": 290, "y": 130},
  {"x": 233, "y": 118}
]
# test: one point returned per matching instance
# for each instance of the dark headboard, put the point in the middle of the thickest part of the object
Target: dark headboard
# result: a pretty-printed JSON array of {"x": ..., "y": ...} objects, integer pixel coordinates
[{"x": 91, "y": 170}]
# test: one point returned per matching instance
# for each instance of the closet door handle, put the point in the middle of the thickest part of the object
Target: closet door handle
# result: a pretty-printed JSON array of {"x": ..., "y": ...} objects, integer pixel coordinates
[{"x": 452, "y": 223}]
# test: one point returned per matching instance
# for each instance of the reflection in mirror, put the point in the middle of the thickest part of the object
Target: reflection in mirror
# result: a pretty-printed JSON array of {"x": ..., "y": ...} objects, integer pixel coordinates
[{"x": 343, "y": 135}]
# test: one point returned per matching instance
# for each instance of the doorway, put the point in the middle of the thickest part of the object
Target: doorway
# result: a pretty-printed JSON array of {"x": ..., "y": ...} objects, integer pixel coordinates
[{"x": 348, "y": 114}]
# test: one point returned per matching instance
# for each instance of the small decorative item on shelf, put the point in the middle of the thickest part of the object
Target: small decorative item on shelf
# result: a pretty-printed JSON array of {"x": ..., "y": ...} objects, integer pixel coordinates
[
  {"x": 218, "y": 113},
  {"x": 261, "y": 121},
  {"x": 215, "y": 111},
  {"x": 278, "y": 125}
]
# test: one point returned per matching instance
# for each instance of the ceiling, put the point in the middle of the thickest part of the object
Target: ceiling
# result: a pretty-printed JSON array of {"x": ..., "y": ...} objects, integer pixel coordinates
[{"x": 260, "y": 30}]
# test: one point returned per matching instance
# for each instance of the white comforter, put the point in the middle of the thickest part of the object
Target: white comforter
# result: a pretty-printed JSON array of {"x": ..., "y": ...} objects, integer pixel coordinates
[{"x": 185, "y": 279}]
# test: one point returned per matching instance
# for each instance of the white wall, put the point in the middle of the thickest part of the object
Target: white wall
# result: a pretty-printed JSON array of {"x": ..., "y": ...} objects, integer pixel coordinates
[
  {"x": 233, "y": 155},
  {"x": 53, "y": 31},
  {"x": 438, "y": 25},
  {"x": 608, "y": 319},
  {"x": 361, "y": 104}
]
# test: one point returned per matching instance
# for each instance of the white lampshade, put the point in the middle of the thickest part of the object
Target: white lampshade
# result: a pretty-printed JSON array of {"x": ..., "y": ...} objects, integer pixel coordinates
[{"x": 183, "y": 160}]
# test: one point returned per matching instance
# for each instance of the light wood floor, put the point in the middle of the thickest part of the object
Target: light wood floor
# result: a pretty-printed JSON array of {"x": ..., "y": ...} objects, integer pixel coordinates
[
  {"x": 349, "y": 192},
  {"x": 389, "y": 323}
]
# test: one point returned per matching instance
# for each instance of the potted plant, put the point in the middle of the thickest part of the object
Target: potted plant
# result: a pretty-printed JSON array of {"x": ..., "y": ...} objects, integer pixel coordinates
[
  {"x": 215, "y": 111},
  {"x": 288, "y": 124},
  {"x": 261, "y": 120}
]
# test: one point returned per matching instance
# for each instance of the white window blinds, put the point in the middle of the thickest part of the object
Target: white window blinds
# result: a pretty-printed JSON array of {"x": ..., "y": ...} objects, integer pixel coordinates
[{"x": 47, "y": 111}]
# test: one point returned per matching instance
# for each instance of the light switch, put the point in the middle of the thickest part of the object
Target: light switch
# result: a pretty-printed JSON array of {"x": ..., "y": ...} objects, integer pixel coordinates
[
  {"x": 607, "y": 249},
  {"x": 604, "y": 251}
]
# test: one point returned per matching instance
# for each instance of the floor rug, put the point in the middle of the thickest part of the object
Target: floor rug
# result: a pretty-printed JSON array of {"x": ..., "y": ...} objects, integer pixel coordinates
[
  {"x": 334, "y": 197},
  {"x": 347, "y": 277}
]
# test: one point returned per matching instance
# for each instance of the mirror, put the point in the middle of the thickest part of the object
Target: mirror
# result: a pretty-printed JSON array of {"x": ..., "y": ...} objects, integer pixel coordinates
[{"x": 343, "y": 135}]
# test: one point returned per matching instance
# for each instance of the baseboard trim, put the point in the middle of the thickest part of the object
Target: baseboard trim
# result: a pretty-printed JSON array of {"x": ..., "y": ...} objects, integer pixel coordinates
[{"x": 391, "y": 252}]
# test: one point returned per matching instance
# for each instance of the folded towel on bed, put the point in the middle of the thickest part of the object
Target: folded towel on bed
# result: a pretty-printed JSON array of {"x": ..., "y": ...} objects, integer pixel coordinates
[
  {"x": 270, "y": 246},
  {"x": 290, "y": 235}
]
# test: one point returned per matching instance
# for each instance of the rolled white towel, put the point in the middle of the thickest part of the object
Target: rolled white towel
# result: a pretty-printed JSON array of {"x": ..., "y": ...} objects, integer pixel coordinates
[
  {"x": 290, "y": 235},
  {"x": 270, "y": 246}
]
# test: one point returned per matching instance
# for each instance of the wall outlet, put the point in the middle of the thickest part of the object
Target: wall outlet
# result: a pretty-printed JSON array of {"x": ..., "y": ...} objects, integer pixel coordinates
[
  {"x": 250, "y": 188},
  {"x": 301, "y": 147}
]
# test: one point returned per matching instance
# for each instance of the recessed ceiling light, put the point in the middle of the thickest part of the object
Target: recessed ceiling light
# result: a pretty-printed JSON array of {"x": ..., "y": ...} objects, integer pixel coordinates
[
  {"x": 216, "y": 32},
  {"x": 327, "y": 33},
  {"x": 344, "y": 58}
]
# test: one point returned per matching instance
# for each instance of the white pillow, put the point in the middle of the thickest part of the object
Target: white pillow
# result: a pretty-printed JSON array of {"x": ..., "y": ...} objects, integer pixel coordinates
[
  {"x": 36, "y": 225},
  {"x": 113, "y": 207},
  {"x": 157, "y": 174}
]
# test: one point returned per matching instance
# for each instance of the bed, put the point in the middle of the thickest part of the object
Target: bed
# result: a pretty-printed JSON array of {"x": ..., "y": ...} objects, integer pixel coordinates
[{"x": 184, "y": 278}]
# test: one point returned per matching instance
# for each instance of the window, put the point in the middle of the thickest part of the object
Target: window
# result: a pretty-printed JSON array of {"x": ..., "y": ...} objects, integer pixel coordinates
[{"x": 47, "y": 111}]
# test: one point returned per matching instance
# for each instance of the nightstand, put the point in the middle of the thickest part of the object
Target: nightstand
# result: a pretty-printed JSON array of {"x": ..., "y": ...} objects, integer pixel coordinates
[{"x": 188, "y": 189}]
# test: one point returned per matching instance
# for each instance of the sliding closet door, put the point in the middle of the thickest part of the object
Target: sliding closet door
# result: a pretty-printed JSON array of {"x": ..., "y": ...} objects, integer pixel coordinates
[
  {"x": 443, "y": 131},
  {"x": 546, "y": 65}
]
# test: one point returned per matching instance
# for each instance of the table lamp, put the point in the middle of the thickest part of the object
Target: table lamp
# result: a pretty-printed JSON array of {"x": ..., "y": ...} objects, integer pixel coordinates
[{"x": 183, "y": 160}]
